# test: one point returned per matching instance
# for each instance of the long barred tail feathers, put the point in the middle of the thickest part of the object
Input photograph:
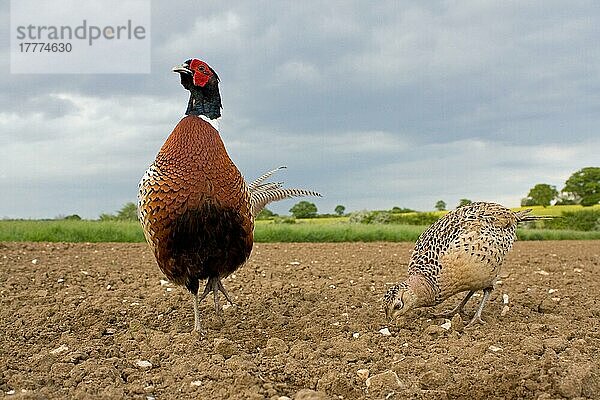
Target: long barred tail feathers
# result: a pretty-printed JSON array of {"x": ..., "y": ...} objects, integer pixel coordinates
[
  {"x": 267, "y": 186},
  {"x": 256, "y": 183},
  {"x": 259, "y": 199},
  {"x": 262, "y": 194}
]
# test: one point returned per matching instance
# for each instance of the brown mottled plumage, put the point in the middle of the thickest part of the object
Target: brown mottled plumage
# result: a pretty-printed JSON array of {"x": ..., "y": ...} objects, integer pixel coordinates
[
  {"x": 462, "y": 251},
  {"x": 195, "y": 208}
]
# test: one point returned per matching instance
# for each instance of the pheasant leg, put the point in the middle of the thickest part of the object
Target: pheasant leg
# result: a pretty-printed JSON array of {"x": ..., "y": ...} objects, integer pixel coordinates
[
  {"x": 215, "y": 286},
  {"x": 197, "y": 327},
  {"x": 225, "y": 293},
  {"x": 477, "y": 317},
  {"x": 458, "y": 309}
]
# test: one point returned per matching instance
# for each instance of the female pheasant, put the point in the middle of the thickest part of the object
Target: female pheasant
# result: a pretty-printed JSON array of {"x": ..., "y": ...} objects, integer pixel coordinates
[
  {"x": 462, "y": 251},
  {"x": 196, "y": 211}
]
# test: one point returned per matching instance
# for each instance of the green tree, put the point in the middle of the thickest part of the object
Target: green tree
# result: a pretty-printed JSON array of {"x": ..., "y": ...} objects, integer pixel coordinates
[
  {"x": 128, "y": 212},
  {"x": 339, "y": 209},
  {"x": 526, "y": 202},
  {"x": 304, "y": 209},
  {"x": 542, "y": 194},
  {"x": 585, "y": 184},
  {"x": 265, "y": 213},
  {"x": 400, "y": 210},
  {"x": 440, "y": 205},
  {"x": 107, "y": 217},
  {"x": 463, "y": 202}
]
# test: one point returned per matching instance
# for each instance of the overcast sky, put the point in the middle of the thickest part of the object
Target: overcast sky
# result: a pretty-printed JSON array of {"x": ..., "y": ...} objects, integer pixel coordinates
[{"x": 374, "y": 104}]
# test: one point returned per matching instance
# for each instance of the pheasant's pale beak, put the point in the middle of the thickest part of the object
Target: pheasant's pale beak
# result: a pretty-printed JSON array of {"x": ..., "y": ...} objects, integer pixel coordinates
[{"x": 182, "y": 69}]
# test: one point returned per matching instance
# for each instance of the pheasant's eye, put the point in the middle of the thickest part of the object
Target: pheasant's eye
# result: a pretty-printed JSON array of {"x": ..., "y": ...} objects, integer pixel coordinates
[
  {"x": 201, "y": 68},
  {"x": 400, "y": 304}
]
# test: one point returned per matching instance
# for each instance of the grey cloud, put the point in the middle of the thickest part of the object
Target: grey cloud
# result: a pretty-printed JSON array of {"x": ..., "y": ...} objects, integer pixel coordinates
[{"x": 382, "y": 104}]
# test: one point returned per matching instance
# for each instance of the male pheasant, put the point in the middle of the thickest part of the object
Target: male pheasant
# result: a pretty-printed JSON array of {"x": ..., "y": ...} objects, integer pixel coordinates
[
  {"x": 462, "y": 251},
  {"x": 195, "y": 208}
]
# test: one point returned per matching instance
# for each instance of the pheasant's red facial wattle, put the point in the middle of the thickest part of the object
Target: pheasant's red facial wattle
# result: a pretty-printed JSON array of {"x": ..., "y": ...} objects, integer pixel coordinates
[{"x": 201, "y": 72}]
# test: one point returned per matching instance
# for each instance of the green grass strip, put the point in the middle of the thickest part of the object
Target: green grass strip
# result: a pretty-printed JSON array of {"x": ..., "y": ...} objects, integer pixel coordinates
[{"x": 130, "y": 231}]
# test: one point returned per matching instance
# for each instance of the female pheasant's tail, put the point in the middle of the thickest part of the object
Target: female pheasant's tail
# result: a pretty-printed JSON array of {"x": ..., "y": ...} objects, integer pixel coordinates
[
  {"x": 262, "y": 194},
  {"x": 523, "y": 216}
]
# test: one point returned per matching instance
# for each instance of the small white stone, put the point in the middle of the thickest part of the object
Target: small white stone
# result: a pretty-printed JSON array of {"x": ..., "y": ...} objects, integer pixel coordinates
[
  {"x": 34, "y": 261},
  {"x": 385, "y": 332},
  {"x": 336, "y": 324},
  {"x": 495, "y": 348},
  {"x": 84, "y": 272},
  {"x": 143, "y": 364},
  {"x": 542, "y": 272},
  {"x": 331, "y": 286},
  {"x": 345, "y": 315},
  {"x": 294, "y": 263},
  {"x": 226, "y": 306},
  {"x": 196, "y": 383},
  {"x": 108, "y": 287},
  {"x": 550, "y": 291},
  {"x": 163, "y": 282},
  {"x": 363, "y": 373},
  {"x": 556, "y": 299},
  {"x": 504, "y": 310},
  {"x": 505, "y": 298},
  {"x": 12, "y": 391},
  {"x": 60, "y": 280},
  {"x": 169, "y": 289},
  {"x": 577, "y": 270},
  {"x": 60, "y": 349},
  {"x": 355, "y": 335},
  {"x": 447, "y": 325}
]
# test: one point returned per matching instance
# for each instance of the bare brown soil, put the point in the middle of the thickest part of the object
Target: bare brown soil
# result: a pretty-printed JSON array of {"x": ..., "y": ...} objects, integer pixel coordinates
[{"x": 94, "y": 321}]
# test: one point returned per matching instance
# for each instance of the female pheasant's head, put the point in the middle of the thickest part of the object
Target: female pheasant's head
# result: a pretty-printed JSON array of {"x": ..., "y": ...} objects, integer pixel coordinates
[
  {"x": 203, "y": 83},
  {"x": 398, "y": 300}
]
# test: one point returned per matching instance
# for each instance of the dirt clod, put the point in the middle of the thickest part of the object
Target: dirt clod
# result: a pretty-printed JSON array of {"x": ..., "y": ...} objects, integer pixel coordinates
[
  {"x": 434, "y": 330},
  {"x": 225, "y": 347},
  {"x": 457, "y": 323},
  {"x": 308, "y": 394},
  {"x": 580, "y": 380},
  {"x": 363, "y": 373},
  {"x": 275, "y": 346},
  {"x": 385, "y": 381}
]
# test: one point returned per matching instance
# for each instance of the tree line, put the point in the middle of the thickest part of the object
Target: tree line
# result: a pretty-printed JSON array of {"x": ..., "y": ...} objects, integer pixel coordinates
[{"x": 582, "y": 187}]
